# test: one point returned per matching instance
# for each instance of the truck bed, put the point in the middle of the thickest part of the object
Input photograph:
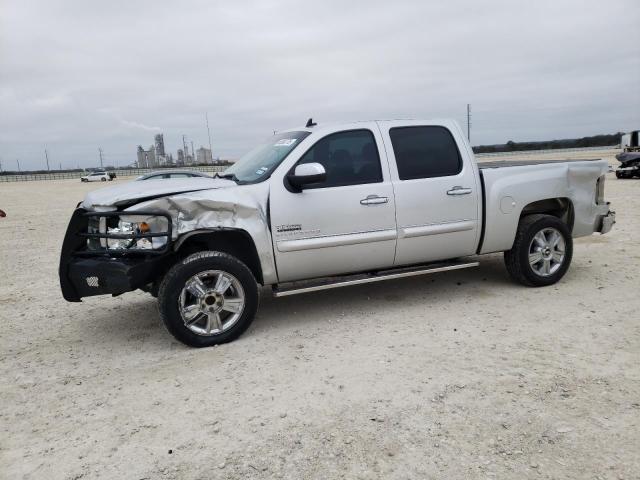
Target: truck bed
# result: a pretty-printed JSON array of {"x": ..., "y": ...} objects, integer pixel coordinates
[
  {"x": 508, "y": 189},
  {"x": 521, "y": 163}
]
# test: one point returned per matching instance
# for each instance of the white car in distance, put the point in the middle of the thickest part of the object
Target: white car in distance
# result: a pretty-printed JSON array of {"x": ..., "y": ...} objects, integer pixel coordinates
[{"x": 96, "y": 177}]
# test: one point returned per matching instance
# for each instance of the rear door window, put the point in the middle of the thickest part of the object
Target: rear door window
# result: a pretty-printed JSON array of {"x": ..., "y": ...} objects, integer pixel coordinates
[{"x": 425, "y": 152}]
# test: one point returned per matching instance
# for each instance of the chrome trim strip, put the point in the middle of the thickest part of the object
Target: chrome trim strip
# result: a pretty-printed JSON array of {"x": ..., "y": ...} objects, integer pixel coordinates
[
  {"x": 336, "y": 240},
  {"x": 379, "y": 278},
  {"x": 437, "y": 228}
]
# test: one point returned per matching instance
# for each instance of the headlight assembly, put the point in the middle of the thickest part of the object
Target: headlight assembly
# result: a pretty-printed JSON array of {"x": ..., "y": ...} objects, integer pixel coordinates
[{"x": 123, "y": 232}]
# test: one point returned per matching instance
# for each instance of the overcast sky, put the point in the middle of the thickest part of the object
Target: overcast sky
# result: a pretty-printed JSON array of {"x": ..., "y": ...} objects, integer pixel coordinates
[{"x": 78, "y": 75}]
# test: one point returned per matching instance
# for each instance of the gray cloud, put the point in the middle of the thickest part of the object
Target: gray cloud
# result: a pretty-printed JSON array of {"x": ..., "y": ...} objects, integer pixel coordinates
[{"x": 78, "y": 75}]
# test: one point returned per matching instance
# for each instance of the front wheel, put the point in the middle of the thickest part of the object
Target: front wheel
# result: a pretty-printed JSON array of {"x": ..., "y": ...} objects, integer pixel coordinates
[
  {"x": 542, "y": 251},
  {"x": 208, "y": 298}
]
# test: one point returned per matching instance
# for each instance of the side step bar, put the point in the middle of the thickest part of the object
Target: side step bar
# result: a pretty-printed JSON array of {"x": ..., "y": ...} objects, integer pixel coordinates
[{"x": 295, "y": 288}]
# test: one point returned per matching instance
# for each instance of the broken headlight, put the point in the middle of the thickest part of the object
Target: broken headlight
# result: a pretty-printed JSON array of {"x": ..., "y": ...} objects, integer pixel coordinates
[{"x": 127, "y": 232}]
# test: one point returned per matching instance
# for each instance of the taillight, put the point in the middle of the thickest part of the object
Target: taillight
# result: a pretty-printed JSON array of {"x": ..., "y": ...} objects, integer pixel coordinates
[{"x": 600, "y": 190}]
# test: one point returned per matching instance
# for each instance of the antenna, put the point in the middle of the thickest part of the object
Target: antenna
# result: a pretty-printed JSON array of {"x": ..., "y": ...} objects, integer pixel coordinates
[{"x": 310, "y": 123}]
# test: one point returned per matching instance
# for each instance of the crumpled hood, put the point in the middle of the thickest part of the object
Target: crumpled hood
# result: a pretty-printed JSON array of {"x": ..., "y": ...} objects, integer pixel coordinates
[{"x": 147, "y": 189}]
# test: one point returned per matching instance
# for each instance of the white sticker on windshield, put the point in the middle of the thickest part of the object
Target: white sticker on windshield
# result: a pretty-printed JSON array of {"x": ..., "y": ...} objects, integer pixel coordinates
[
  {"x": 262, "y": 170},
  {"x": 285, "y": 142}
]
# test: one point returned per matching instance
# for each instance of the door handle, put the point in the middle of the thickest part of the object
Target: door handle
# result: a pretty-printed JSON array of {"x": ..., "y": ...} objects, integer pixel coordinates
[
  {"x": 373, "y": 200},
  {"x": 458, "y": 190}
]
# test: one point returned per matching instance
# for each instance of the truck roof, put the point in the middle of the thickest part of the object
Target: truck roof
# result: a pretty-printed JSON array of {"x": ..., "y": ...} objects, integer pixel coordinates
[{"x": 339, "y": 125}]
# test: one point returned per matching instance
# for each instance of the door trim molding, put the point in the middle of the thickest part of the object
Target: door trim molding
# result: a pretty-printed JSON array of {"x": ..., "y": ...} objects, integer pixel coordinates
[
  {"x": 437, "y": 228},
  {"x": 336, "y": 240}
]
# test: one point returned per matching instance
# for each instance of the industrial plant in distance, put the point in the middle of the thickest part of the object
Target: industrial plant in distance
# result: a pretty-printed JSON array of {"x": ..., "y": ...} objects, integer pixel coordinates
[{"x": 156, "y": 156}]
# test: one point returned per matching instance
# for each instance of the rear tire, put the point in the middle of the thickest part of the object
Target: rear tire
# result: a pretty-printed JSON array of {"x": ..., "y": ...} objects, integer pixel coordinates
[
  {"x": 542, "y": 251},
  {"x": 208, "y": 298}
]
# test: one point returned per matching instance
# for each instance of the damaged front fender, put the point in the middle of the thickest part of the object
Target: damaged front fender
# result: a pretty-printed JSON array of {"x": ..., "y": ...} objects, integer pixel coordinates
[{"x": 242, "y": 208}]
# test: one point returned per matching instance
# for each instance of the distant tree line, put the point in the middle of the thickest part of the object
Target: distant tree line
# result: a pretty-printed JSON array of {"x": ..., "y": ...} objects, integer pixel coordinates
[{"x": 594, "y": 141}]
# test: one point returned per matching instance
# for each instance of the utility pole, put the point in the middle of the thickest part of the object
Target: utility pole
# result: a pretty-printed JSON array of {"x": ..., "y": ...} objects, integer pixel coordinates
[
  {"x": 46, "y": 155},
  {"x": 60, "y": 166},
  {"x": 469, "y": 122},
  {"x": 193, "y": 153},
  {"x": 206, "y": 115},
  {"x": 100, "y": 152},
  {"x": 18, "y": 162}
]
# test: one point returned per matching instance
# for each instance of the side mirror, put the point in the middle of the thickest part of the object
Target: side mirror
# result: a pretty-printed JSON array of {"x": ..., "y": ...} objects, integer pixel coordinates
[{"x": 306, "y": 174}]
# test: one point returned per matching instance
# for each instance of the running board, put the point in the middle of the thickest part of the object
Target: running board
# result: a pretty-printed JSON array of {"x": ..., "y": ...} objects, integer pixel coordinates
[{"x": 295, "y": 288}]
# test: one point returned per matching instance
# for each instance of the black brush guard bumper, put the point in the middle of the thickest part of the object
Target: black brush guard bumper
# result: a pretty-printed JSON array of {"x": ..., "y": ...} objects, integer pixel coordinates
[{"x": 85, "y": 273}]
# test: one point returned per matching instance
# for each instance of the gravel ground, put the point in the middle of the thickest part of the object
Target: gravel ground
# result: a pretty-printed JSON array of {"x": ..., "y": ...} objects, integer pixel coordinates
[{"x": 456, "y": 375}]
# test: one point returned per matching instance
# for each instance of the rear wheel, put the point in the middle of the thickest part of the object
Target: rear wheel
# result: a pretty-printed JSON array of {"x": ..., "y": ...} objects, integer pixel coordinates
[
  {"x": 208, "y": 298},
  {"x": 541, "y": 252}
]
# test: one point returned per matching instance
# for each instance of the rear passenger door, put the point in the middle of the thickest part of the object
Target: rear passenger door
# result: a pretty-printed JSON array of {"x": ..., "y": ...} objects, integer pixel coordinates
[{"x": 436, "y": 191}]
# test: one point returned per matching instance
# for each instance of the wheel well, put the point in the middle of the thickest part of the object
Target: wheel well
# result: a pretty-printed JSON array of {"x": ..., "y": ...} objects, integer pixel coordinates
[
  {"x": 561, "y": 208},
  {"x": 234, "y": 242}
]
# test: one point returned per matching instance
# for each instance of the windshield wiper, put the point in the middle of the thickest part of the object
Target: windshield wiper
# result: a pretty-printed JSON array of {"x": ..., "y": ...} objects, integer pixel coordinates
[{"x": 230, "y": 176}]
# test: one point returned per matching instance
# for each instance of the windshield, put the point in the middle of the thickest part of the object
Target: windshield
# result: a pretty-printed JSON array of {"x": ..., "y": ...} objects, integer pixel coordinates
[{"x": 260, "y": 162}]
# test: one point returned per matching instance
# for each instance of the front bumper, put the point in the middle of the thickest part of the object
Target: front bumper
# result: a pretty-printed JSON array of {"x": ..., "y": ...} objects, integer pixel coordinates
[
  {"x": 606, "y": 222},
  {"x": 84, "y": 275}
]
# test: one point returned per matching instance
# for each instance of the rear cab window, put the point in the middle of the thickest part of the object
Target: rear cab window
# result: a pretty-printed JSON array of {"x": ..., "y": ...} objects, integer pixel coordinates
[{"x": 425, "y": 152}]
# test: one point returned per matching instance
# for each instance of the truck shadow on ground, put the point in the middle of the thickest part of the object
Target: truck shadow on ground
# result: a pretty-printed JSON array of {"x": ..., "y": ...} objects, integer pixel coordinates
[
  {"x": 138, "y": 322},
  {"x": 296, "y": 310}
]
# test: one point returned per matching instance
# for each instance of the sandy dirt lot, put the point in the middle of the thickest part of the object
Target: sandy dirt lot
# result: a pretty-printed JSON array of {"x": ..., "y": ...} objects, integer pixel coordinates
[{"x": 456, "y": 375}]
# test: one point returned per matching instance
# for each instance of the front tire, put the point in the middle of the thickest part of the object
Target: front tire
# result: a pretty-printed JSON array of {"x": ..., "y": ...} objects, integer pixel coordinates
[
  {"x": 208, "y": 298},
  {"x": 542, "y": 251}
]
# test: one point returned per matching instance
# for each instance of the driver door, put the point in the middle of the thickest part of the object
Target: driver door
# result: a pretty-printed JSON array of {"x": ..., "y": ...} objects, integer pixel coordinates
[{"x": 344, "y": 224}]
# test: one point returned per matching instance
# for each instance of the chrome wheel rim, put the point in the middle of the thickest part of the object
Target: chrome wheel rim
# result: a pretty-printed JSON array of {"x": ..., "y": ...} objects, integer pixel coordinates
[
  {"x": 211, "y": 302},
  {"x": 547, "y": 252}
]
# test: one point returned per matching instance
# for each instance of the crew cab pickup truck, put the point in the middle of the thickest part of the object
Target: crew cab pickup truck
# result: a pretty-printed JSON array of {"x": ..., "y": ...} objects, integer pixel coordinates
[{"x": 325, "y": 206}]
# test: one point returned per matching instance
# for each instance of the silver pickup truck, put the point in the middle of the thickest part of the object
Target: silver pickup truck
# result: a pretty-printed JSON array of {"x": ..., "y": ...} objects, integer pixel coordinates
[{"x": 327, "y": 206}]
